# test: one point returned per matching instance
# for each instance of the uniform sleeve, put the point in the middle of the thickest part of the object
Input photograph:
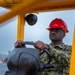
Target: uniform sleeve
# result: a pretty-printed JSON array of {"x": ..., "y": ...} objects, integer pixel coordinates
[{"x": 60, "y": 56}]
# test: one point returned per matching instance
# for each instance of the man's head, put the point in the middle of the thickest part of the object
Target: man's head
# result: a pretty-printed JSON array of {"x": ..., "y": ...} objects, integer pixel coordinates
[{"x": 57, "y": 30}]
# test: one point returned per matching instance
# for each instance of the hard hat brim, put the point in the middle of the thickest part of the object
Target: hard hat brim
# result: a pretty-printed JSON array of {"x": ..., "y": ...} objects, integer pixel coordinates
[
  {"x": 48, "y": 28},
  {"x": 62, "y": 28}
]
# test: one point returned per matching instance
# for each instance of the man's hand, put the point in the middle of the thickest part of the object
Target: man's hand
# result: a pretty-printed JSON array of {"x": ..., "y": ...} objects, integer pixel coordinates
[
  {"x": 18, "y": 44},
  {"x": 40, "y": 45}
]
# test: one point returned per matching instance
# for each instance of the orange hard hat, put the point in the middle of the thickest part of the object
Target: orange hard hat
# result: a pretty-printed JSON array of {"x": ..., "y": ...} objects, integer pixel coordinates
[{"x": 58, "y": 23}]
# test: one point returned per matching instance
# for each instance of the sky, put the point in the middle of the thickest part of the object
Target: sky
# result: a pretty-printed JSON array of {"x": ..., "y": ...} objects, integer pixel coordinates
[{"x": 8, "y": 30}]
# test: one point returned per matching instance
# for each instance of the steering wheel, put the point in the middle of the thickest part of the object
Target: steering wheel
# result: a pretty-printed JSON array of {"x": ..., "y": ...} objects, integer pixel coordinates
[
  {"x": 29, "y": 57},
  {"x": 46, "y": 65}
]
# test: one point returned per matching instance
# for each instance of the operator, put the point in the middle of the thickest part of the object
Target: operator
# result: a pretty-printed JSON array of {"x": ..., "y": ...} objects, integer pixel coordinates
[{"x": 59, "y": 51}]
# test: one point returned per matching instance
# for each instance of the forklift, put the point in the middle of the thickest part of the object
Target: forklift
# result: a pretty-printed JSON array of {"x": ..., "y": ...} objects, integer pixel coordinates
[{"x": 24, "y": 9}]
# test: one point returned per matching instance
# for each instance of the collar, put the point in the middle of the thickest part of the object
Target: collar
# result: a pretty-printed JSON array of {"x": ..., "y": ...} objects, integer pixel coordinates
[{"x": 60, "y": 45}]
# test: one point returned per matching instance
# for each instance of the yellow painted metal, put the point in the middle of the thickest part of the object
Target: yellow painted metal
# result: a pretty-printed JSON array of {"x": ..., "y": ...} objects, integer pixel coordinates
[
  {"x": 21, "y": 24},
  {"x": 72, "y": 64},
  {"x": 27, "y": 5},
  {"x": 9, "y": 2},
  {"x": 50, "y": 5},
  {"x": 54, "y": 5},
  {"x": 40, "y": 6}
]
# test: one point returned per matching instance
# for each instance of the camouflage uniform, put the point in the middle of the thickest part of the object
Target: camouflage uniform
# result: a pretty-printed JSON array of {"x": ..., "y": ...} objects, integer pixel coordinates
[{"x": 60, "y": 57}]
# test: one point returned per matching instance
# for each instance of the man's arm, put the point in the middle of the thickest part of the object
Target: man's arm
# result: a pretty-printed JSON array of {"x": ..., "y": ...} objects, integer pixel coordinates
[{"x": 61, "y": 57}]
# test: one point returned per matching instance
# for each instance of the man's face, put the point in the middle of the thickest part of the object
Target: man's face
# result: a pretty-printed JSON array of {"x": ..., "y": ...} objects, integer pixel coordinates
[{"x": 56, "y": 34}]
